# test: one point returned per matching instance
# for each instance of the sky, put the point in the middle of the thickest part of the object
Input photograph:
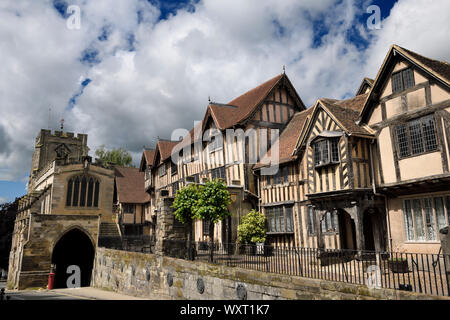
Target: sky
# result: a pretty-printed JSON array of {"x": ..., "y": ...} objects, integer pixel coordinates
[{"x": 136, "y": 70}]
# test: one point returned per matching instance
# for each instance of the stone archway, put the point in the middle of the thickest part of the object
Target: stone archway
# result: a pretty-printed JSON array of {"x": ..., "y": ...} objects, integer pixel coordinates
[{"x": 73, "y": 248}]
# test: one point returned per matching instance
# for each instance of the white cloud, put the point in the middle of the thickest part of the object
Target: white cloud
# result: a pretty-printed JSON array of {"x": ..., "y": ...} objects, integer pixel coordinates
[{"x": 221, "y": 49}]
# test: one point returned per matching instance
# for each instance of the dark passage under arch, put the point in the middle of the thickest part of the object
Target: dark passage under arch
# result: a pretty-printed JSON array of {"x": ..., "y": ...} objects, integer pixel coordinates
[{"x": 74, "y": 248}]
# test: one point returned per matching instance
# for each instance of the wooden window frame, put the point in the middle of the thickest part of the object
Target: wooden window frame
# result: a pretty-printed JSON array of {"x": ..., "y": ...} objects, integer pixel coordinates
[
  {"x": 277, "y": 229},
  {"x": 445, "y": 208},
  {"x": 421, "y": 120},
  {"x": 330, "y": 161},
  {"x": 401, "y": 73}
]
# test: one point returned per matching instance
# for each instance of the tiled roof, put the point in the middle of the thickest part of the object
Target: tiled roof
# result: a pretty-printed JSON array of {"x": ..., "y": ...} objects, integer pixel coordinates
[
  {"x": 238, "y": 109},
  {"x": 442, "y": 68},
  {"x": 288, "y": 138},
  {"x": 247, "y": 102},
  {"x": 165, "y": 148},
  {"x": 347, "y": 112},
  {"x": 130, "y": 185}
]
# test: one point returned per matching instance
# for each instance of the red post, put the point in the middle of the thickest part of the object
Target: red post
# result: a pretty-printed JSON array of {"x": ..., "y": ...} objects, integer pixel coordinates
[{"x": 51, "y": 279}]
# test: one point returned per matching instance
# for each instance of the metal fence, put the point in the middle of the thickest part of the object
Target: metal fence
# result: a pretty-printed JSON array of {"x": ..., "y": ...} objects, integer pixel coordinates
[
  {"x": 424, "y": 273},
  {"x": 418, "y": 272}
]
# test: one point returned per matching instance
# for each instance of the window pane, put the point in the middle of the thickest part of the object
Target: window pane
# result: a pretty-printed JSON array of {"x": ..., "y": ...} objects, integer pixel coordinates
[
  {"x": 273, "y": 222},
  {"x": 334, "y": 150},
  {"x": 323, "y": 225},
  {"x": 76, "y": 190},
  {"x": 429, "y": 219},
  {"x": 325, "y": 158},
  {"x": 447, "y": 204},
  {"x": 429, "y": 133},
  {"x": 311, "y": 220},
  {"x": 277, "y": 220},
  {"x": 418, "y": 220},
  {"x": 288, "y": 212},
  {"x": 83, "y": 192},
  {"x": 285, "y": 173},
  {"x": 90, "y": 192},
  {"x": 397, "y": 84},
  {"x": 415, "y": 132},
  {"x": 69, "y": 193},
  {"x": 335, "y": 221},
  {"x": 281, "y": 218},
  {"x": 317, "y": 153},
  {"x": 440, "y": 214},
  {"x": 96, "y": 193},
  {"x": 409, "y": 221},
  {"x": 328, "y": 221},
  {"x": 402, "y": 139},
  {"x": 408, "y": 78}
]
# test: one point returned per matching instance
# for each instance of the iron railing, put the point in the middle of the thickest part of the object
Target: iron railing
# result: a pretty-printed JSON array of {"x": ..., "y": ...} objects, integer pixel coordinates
[{"x": 418, "y": 272}]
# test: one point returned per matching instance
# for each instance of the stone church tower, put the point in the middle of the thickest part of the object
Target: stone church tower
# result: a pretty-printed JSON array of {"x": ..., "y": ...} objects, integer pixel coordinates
[{"x": 68, "y": 208}]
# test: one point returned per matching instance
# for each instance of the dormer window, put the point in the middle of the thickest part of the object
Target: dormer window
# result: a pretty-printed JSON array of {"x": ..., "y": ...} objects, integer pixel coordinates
[
  {"x": 326, "y": 152},
  {"x": 402, "y": 80}
]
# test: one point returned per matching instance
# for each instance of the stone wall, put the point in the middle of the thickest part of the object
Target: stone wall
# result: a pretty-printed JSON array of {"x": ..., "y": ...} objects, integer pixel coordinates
[
  {"x": 170, "y": 235},
  {"x": 31, "y": 252},
  {"x": 149, "y": 275}
]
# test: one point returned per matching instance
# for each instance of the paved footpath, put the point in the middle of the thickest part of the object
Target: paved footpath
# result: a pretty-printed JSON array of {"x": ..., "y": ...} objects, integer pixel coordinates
[{"x": 85, "y": 293}]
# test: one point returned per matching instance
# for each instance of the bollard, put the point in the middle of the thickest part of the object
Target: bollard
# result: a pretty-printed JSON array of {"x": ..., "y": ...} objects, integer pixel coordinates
[{"x": 51, "y": 279}]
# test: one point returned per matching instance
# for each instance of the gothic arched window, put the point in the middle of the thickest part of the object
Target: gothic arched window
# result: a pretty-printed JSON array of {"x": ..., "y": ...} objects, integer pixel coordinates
[{"x": 82, "y": 191}]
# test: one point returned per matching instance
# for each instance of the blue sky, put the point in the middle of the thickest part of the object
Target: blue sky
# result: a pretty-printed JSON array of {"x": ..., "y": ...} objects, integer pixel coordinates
[{"x": 139, "y": 69}]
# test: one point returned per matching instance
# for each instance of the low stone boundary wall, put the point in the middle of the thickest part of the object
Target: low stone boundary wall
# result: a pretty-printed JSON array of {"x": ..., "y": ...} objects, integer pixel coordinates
[{"x": 147, "y": 275}]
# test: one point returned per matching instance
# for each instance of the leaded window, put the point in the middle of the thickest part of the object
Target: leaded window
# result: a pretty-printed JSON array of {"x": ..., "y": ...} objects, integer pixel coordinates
[
  {"x": 326, "y": 152},
  {"x": 311, "y": 221},
  {"x": 416, "y": 136},
  {"x": 162, "y": 170},
  {"x": 281, "y": 177},
  {"x": 205, "y": 227},
  {"x": 425, "y": 217},
  {"x": 402, "y": 80},
  {"x": 279, "y": 219},
  {"x": 175, "y": 188},
  {"x": 82, "y": 191},
  {"x": 173, "y": 168},
  {"x": 218, "y": 173},
  {"x": 330, "y": 222}
]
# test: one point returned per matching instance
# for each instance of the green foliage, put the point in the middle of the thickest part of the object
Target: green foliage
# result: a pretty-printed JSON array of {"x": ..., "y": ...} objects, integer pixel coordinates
[
  {"x": 119, "y": 156},
  {"x": 252, "y": 228},
  {"x": 185, "y": 203},
  {"x": 213, "y": 200}
]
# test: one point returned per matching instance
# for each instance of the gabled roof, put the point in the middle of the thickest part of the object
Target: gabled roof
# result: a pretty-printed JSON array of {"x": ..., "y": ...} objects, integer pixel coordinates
[
  {"x": 344, "y": 112},
  {"x": 164, "y": 150},
  {"x": 288, "y": 139},
  {"x": 148, "y": 157},
  {"x": 240, "y": 108},
  {"x": 130, "y": 185},
  {"x": 439, "y": 70},
  {"x": 366, "y": 82}
]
